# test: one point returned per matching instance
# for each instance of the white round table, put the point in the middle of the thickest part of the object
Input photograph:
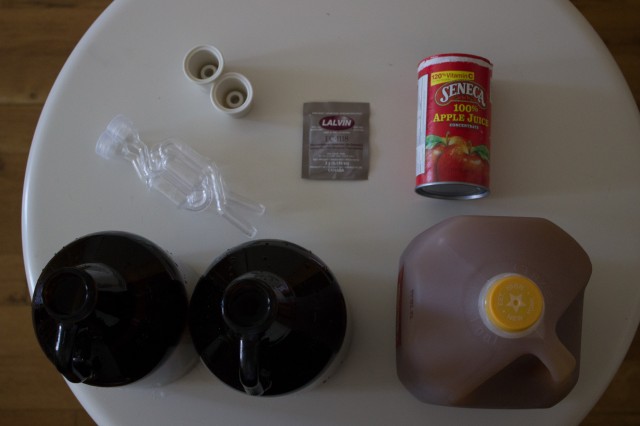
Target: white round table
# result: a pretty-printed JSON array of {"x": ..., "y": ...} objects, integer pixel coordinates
[{"x": 565, "y": 146}]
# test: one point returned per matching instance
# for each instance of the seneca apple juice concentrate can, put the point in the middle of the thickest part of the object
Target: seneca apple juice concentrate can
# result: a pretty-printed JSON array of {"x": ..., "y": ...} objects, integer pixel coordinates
[{"x": 454, "y": 126}]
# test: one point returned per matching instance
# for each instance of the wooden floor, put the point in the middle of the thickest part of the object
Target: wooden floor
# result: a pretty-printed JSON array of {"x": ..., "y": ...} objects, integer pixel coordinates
[{"x": 36, "y": 36}]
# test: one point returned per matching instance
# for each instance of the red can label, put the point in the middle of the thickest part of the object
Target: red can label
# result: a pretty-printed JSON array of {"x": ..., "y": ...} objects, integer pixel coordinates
[{"x": 454, "y": 126}]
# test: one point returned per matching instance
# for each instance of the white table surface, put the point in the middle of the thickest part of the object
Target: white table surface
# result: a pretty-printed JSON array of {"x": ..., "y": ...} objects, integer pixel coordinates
[{"x": 565, "y": 146}]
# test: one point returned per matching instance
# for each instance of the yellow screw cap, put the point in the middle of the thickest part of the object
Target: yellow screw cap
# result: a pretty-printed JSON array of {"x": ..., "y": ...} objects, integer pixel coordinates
[{"x": 513, "y": 303}]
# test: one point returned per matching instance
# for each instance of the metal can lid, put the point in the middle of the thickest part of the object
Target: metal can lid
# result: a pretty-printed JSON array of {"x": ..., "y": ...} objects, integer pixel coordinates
[
  {"x": 453, "y": 190},
  {"x": 454, "y": 57}
]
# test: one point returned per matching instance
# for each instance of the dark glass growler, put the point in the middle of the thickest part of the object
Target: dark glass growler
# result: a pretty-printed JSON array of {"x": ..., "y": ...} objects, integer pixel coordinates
[
  {"x": 268, "y": 318},
  {"x": 109, "y": 309}
]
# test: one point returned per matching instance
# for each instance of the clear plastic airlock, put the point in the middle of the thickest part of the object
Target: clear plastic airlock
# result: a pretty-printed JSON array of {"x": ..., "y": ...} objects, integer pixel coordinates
[{"x": 190, "y": 180}]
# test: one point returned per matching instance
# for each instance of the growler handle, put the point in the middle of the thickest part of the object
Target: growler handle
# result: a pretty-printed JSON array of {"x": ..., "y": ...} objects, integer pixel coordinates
[
  {"x": 63, "y": 353},
  {"x": 249, "y": 307},
  {"x": 250, "y": 365}
]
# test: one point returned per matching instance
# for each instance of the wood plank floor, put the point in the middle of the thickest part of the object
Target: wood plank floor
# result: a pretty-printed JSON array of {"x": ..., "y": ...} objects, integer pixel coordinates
[{"x": 36, "y": 36}]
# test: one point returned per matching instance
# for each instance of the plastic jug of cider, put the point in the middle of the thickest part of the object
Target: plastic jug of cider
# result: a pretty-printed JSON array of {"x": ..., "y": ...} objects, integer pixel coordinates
[{"x": 489, "y": 313}]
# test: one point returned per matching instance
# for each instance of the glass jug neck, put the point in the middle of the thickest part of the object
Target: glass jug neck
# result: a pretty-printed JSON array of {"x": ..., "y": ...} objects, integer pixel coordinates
[
  {"x": 251, "y": 302},
  {"x": 70, "y": 294}
]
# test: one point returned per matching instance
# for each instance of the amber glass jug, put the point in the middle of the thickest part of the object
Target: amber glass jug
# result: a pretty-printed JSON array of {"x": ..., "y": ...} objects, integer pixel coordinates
[
  {"x": 110, "y": 309},
  {"x": 268, "y": 318},
  {"x": 489, "y": 313}
]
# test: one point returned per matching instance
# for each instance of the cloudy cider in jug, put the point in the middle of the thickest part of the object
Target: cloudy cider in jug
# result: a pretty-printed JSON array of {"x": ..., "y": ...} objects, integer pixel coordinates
[{"x": 489, "y": 313}]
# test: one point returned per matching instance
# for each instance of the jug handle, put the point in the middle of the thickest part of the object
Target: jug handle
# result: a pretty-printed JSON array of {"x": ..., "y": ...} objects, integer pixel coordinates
[
  {"x": 249, "y": 365},
  {"x": 63, "y": 352},
  {"x": 557, "y": 358}
]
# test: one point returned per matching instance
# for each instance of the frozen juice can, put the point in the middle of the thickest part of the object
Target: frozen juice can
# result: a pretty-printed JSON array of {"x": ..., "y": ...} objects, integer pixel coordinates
[{"x": 454, "y": 126}]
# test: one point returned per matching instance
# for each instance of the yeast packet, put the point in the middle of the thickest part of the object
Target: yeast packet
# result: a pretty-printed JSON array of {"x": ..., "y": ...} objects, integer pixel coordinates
[{"x": 335, "y": 141}]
